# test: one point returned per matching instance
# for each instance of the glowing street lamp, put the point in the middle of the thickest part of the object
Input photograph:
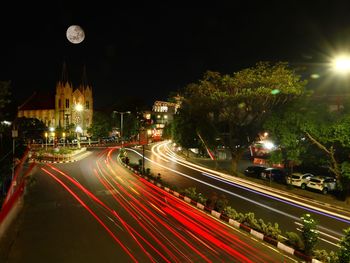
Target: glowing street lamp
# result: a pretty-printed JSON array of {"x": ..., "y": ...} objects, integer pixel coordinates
[
  {"x": 341, "y": 64},
  {"x": 79, "y": 107},
  {"x": 78, "y": 130}
]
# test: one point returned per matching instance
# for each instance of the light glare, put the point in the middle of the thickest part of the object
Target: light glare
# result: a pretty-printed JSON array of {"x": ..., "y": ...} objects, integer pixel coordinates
[{"x": 342, "y": 64}]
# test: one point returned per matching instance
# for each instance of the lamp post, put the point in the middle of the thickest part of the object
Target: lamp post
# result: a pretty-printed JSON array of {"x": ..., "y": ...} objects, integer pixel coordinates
[
  {"x": 121, "y": 122},
  {"x": 14, "y": 136},
  {"x": 46, "y": 134},
  {"x": 78, "y": 130},
  {"x": 341, "y": 66},
  {"x": 79, "y": 118},
  {"x": 64, "y": 138}
]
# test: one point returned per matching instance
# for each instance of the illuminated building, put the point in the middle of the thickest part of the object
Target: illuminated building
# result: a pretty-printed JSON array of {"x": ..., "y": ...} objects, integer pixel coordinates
[{"x": 68, "y": 107}]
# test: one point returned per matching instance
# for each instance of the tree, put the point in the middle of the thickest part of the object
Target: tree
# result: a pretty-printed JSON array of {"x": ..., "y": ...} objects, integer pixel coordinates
[
  {"x": 309, "y": 127},
  {"x": 30, "y": 128},
  {"x": 285, "y": 132},
  {"x": 344, "y": 251},
  {"x": 309, "y": 234},
  {"x": 233, "y": 107},
  {"x": 101, "y": 125},
  {"x": 184, "y": 129},
  {"x": 5, "y": 87}
]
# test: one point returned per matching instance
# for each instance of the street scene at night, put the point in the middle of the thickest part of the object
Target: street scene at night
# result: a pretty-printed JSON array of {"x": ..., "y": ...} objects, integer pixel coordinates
[{"x": 162, "y": 133}]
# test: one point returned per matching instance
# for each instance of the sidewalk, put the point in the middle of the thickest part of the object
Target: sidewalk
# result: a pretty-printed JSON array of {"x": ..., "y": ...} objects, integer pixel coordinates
[
  {"x": 224, "y": 166},
  {"x": 69, "y": 158}
]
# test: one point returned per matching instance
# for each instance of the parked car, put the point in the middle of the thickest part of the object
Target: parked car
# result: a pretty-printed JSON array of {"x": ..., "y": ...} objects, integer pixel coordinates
[
  {"x": 274, "y": 174},
  {"x": 254, "y": 170},
  {"x": 299, "y": 179},
  {"x": 324, "y": 184}
]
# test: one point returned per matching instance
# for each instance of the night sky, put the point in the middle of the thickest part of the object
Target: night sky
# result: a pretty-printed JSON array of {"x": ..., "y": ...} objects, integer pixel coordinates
[{"x": 148, "y": 50}]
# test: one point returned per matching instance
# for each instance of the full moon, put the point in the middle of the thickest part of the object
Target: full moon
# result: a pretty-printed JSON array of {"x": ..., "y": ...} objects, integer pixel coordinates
[{"x": 75, "y": 34}]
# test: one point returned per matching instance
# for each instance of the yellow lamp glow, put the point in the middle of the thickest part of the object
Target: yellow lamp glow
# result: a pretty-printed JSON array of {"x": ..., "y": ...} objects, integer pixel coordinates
[{"x": 341, "y": 64}]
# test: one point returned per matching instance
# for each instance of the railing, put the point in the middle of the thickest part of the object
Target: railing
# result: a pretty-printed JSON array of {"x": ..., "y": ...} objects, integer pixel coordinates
[{"x": 17, "y": 186}]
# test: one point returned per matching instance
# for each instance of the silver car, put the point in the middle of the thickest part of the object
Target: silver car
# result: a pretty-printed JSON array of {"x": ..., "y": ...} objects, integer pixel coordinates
[
  {"x": 299, "y": 179},
  {"x": 322, "y": 183}
]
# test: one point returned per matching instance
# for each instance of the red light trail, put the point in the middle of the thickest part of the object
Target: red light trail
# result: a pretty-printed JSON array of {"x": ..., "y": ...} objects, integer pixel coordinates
[{"x": 155, "y": 226}]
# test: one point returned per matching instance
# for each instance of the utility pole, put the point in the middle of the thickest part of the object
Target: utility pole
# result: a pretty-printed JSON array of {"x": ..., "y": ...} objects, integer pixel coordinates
[
  {"x": 14, "y": 136},
  {"x": 121, "y": 122}
]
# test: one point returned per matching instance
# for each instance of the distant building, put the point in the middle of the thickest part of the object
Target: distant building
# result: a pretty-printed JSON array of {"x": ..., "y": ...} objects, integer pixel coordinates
[
  {"x": 163, "y": 113},
  {"x": 67, "y": 107}
]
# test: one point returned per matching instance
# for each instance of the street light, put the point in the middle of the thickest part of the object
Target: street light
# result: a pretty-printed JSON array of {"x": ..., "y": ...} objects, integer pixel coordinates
[
  {"x": 121, "y": 122},
  {"x": 79, "y": 118},
  {"x": 64, "y": 138},
  {"x": 78, "y": 130},
  {"x": 341, "y": 64},
  {"x": 46, "y": 134}
]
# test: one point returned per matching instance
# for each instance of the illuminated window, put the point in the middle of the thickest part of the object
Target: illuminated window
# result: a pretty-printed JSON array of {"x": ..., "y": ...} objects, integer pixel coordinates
[
  {"x": 158, "y": 116},
  {"x": 165, "y": 116},
  {"x": 148, "y": 116}
]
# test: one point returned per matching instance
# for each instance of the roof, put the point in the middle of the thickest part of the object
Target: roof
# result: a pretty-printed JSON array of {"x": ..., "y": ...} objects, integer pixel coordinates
[{"x": 39, "y": 101}]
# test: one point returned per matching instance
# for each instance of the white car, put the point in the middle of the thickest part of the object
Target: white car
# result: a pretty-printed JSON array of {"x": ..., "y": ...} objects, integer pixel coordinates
[
  {"x": 299, "y": 179},
  {"x": 322, "y": 183}
]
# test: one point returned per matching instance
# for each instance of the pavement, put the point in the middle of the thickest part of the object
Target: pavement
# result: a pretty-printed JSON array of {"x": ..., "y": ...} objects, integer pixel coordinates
[{"x": 77, "y": 157}]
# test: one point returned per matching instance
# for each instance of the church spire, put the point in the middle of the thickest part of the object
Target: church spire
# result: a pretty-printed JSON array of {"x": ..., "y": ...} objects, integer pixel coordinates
[
  {"x": 64, "y": 76},
  {"x": 84, "y": 81},
  {"x": 84, "y": 84}
]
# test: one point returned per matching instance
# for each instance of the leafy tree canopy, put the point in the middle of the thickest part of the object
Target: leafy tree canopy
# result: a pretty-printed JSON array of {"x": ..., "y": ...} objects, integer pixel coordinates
[
  {"x": 101, "y": 125},
  {"x": 234, "y": 106}
]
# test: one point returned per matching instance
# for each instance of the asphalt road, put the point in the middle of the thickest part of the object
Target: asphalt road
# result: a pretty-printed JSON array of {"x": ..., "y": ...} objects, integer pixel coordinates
[
  {"x": 94, "y": 210},
  {"x": 178, "y": 173}
]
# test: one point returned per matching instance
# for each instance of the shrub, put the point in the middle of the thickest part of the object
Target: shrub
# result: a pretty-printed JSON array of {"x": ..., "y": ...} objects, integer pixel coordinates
[
  {"x": 230, "y": 212},
  {"x": 271, "y": 230},
  {"x": 211, "y": 201},
  {"x": 309, "y": 233},
  {"x": 221, "y": 204},
  {"x": 294, "y": 240},
  {"x": 344, "y": 251},
  {"x": 190, "y": 192},
  {"x": 201, "y": 198},
  {"x": 250, "y": 220},
  {"x": 323, "y": 256}
]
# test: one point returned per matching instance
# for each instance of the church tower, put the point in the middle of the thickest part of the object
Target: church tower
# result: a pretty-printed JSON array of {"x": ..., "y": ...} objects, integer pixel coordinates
[
  {"x": 63, "y": 100},
  {"x": 86, "y": 90}
]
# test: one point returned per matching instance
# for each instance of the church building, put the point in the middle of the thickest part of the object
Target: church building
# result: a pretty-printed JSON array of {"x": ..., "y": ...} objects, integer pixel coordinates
[{"x": 68, "y": 107}]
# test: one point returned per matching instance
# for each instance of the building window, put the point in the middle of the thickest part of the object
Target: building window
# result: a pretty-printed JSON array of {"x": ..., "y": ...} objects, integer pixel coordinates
[
  {"x": 59, "y": 103},
  {"x": 67, "y": 103},
  {"x": 164, "y": 109},
  {"x": 87, "y": 105}
]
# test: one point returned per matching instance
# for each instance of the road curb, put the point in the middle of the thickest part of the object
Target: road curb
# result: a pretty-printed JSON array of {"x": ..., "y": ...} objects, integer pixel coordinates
[
  {"x": 45, "y": 161},
  {"x": 230, "y": 221}
]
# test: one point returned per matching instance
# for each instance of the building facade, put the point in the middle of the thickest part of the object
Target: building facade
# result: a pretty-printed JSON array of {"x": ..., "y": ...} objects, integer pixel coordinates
[
  {"x": 163, "y": 113},
  {"x": 69, "y": 107}
]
